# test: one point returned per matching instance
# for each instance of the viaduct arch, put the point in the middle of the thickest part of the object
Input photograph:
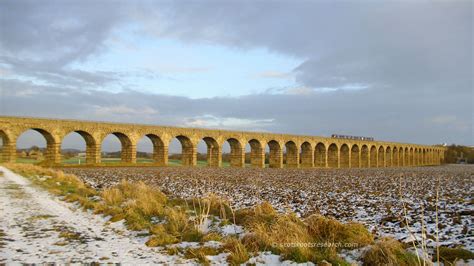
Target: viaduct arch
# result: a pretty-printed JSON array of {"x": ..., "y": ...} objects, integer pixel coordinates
[{"x": 301, "y": 151}]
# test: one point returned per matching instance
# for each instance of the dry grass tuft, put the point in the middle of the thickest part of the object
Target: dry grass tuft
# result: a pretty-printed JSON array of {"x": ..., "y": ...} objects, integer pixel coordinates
[
  {"x": 316, "y": 238},
  {"x": 221, "y": 208},
  {"x": 150, "y": 200},
  {"x": 329, "y": 230},
  {"x": 137, "y": 203},
  {"x": 180, "y": 225},
  {"x": 262, "y": 213},
  {"x": 112, "y": 196},
  {"x": 160, "y": 237},
  {"x": 201, "y": 253},
  {"x": 212, "y": 236},
  {"x": 238, "y": 253},
  {"x": 389, "y": 251}
]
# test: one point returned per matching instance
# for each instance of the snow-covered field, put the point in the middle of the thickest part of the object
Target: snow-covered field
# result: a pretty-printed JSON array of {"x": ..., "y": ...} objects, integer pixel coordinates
[
  {"x": 386, "y": 200},
  {"x": 36, "y": 227}
]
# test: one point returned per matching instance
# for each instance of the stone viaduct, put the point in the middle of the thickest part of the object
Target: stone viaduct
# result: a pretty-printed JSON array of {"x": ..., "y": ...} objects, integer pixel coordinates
[{"x": 301, "y": 151}]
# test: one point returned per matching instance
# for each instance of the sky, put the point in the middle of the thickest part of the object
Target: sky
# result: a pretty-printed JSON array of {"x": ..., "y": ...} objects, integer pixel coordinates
[{"x": 393, "y": 70}]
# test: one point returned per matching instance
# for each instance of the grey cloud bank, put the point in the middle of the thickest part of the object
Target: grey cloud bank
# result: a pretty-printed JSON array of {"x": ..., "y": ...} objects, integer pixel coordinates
[{"x": 413, "y": 60}]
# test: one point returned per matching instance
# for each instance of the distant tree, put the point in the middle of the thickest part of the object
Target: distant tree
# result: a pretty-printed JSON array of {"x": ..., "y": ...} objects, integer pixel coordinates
[
  {"x": 34, "y": 148},
  {"x": 454, "y": 152}
]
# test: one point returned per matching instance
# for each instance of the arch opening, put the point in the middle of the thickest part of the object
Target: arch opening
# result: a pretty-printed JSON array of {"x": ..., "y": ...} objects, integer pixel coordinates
[
  {"x": 307, "y": 155},
  {"x": 355, "y": 159},
  {"x": 79, "y": 147},
  {"x": 380, "y": 157},
  {"x": 275, "y": 155},
  {"x": 213, "y": 156},
  {"x": 373, "y": 156},
  {"x": 291, "y": 155},
  {"x": 344, "y": 156},
  {"x": 406, "y": 157},
  {"x": 364, "y": 156},
  {"x": 415, "y": 157},
  {"x": 388, "y": 157},
  {"x": 225, "y": 154},
  {"x": 152, "y": 149},
  {"x": 320, "y": 155},
  {"x": 5, "y": 151},
  {"x": 117, "y": 147},
  {"x": 182, "y": 152},
  {"x": 421, "y": 158},
  {"x": 333, "y": 158},
  {"x": 396, "y": 159},
  {"x": 37, "y": 145},
  {"x": 233, "y": 154},
  {"x": 257, "y": 154}
]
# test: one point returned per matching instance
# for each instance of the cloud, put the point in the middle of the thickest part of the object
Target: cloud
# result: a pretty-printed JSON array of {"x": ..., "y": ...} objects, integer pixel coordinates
[
  {"x": 397, "y": 70},
  {"x": 405, "y": 45},
  {"x": 452, "y": 122},
  {"x": 274, "y": 75},
  {"x": 232, "y": 123},
  {"x": 180, "y": 69},
  {"x": 300, "y": 91},
  {"x": 51, "y": 35},
  {"x": 320, "y": 114},
  {"x": 124, "y": 110},
  {"x": 444, "y": 119}
]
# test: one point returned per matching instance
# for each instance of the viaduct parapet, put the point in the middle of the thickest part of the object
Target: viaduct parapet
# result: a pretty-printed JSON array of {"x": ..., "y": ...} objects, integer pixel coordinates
[{"x": 301, "y": 151}]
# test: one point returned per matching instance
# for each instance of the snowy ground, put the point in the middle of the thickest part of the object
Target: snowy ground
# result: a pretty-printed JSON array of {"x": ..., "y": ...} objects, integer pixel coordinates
[
  {"x": 36, "y": 227},
  {"x": 377, "y": 197}
]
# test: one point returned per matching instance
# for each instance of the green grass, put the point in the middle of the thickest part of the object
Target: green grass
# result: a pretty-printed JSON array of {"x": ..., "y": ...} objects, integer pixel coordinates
[
  {"x": 171, "y": 162},
  {"x": 118, "y": 160},
  {"x": 111, "y": 161},
  {"x": 74, "y": 160},
  {"x": 26, "y": 160}
]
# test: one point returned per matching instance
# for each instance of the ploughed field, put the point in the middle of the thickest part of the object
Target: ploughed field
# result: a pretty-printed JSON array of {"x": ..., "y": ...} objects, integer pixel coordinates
[{"x": 402, "y": 202}]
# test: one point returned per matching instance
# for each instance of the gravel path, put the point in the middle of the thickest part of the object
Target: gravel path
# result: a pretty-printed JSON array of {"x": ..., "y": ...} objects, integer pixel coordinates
[{"x": 36, "y": 227}]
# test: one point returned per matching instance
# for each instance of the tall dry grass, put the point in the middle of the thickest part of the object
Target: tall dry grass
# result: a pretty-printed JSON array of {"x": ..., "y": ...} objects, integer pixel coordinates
[{"x": 315, "y": 238}]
